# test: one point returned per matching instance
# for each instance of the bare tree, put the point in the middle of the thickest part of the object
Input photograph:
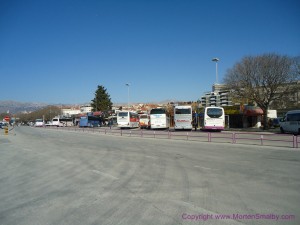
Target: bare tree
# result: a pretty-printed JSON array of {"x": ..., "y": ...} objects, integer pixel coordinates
[
  {"x": 297, "y": 65},
  {"x": 262, "y": 79}
]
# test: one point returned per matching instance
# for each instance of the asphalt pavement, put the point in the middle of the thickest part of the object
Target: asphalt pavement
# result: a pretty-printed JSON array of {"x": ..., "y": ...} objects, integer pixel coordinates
[{"x": 50, "y": 176}]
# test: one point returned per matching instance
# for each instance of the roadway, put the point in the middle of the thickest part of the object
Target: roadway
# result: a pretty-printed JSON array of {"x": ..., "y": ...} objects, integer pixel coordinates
[{"x": 53, "y": 176}]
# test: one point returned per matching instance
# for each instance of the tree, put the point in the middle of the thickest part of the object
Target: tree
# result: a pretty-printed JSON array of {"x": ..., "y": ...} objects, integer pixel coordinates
[
  {"x": 102, "y": 101},
  {"x": 47, "y": 113},
  {"x": 262, "y": 79},
  {"x": 297, "y": 65}
]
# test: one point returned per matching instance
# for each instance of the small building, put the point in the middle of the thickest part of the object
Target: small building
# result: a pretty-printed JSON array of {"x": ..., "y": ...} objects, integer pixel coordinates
[
  {"x": 86, "y": 108},
  {"x": 243, "y": 116},
  {"x": 70, "y": 111}
]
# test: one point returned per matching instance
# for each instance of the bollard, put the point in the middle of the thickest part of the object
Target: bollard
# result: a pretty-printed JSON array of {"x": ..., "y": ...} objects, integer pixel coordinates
[
  {"x": 233, "y": 138},
  {"x": 6, "y": 130},
  {"x": 209, "y": 137}
]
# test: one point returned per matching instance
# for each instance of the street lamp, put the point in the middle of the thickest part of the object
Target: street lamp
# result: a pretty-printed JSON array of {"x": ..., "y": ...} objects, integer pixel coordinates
[
  {"x": 216, "y": 60},
  {"x": 128, "y": 95}
]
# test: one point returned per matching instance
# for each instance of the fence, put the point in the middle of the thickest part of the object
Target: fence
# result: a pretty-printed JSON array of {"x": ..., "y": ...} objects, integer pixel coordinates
[{"x": 248, "y": 138}]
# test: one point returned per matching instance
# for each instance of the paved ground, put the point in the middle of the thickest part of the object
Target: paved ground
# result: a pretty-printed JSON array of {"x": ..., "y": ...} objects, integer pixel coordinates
[
  {"x": 61, "y": 177},
  {"x": 248, "y": 137}
]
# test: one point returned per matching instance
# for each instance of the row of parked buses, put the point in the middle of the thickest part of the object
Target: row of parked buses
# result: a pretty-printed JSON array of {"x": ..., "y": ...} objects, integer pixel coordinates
[{"x": 212, "y": 118}]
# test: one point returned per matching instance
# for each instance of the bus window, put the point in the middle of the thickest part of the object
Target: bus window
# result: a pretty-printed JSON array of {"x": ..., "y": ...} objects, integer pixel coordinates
[{"x": 214, "y": 112}]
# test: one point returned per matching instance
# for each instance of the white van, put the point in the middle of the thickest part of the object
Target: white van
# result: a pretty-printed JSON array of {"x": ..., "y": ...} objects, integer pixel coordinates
[
  {"x": 290, "y": 123},
  {"x": 39, "y": 123},
  {"x": 62, "y": 121}
]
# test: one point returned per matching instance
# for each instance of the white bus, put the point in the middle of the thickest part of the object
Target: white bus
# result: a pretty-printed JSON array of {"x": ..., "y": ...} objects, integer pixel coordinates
[
  {"x": 290, "y": 123},
  {"x": 62, "y": 121},
  {"x": 127, "y": 119},
  {"x": 213, "y": 118},
  {"x": 144, "y": 121},
  {"x": 183, "y": 117},
  {"x": 159, "y": 118}
]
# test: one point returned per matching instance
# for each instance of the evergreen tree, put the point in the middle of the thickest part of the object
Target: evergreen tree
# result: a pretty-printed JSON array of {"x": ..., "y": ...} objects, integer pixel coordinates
[{"x": 102, "y": 101}]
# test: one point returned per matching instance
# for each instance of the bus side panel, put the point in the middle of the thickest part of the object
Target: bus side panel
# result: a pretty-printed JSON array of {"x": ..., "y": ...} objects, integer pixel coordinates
[{"x": 83, "y": 122}]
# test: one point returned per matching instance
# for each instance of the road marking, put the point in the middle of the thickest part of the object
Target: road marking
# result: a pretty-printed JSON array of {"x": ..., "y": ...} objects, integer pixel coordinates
[
  {"x": 205, "y": 168},
  {"x": 104, "y": 174},
  {"x": 152, "y": 157}
]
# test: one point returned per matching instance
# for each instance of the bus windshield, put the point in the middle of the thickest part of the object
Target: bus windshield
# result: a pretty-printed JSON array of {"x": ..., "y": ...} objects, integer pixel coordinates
[
  {"x": 214, "y": 112},
  {"x": 122, "y": 114},
  {"x": 158, "y": 111},
  {"x": 183, "y": 111}
]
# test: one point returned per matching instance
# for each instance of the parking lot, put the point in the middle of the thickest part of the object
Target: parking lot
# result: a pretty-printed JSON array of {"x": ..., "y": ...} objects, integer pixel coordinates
[
  {"x": 271, "y": 137},
  {"x": 53, "y": 176}
]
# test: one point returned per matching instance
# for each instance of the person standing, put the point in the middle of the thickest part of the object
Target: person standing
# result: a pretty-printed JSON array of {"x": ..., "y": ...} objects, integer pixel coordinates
[
  {"x": 110, "y": 123},
  {"x": 195, "y": 120}
]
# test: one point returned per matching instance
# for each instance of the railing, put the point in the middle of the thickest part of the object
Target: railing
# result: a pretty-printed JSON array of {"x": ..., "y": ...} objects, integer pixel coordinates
[{"x": 247, "y": 138}]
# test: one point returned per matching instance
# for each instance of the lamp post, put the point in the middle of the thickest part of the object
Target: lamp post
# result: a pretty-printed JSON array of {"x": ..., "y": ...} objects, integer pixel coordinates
[
  {"x": 128, "y": 95},
  {"x": 216, "y": 60}
]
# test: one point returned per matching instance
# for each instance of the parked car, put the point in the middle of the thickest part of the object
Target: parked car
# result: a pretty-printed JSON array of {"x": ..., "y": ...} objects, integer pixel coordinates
[
  {"x": 3, "y": 124},
  {"x": 39, "y": 123},
  {"x": 290, "y": 123}
]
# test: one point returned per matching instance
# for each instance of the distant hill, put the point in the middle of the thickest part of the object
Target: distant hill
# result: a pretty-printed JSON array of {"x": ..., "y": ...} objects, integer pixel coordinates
[
  {"x": 18, "y": 107},
  {"x": 26, "y": 107}
]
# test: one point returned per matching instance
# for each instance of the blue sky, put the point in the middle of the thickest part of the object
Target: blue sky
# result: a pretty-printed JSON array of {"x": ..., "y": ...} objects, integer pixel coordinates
[{"x": 59, "y": 51}]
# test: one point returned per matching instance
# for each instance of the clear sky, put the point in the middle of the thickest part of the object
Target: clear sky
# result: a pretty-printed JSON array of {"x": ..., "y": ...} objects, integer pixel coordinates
[{"x": 58, "y": 51}]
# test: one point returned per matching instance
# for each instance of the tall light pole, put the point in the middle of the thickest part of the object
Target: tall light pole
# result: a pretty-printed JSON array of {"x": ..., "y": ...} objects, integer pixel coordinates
[
  {"x": 216, "y": 60},
  {"x": 128, "y": 95}
]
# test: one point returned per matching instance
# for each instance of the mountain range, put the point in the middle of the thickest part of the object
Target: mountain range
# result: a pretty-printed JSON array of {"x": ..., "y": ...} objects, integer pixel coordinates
[
  {"x": 18, "y": 107},
  {"x": 13, "y": 107}
]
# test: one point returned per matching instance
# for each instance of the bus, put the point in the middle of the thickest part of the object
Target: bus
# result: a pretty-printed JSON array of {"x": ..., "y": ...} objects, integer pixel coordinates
[
  {"x": 183, "y": 117},
  {"x": 213, "y": 118},
  {"x": 127, "y": 119},
  {"x": 159, "y": 119},
  {"x": 62, "y": 121},
  {"x": 290, "y": 123},
  {"x": 144, "y": 121},
  {"x": 90, "y": 121}
]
